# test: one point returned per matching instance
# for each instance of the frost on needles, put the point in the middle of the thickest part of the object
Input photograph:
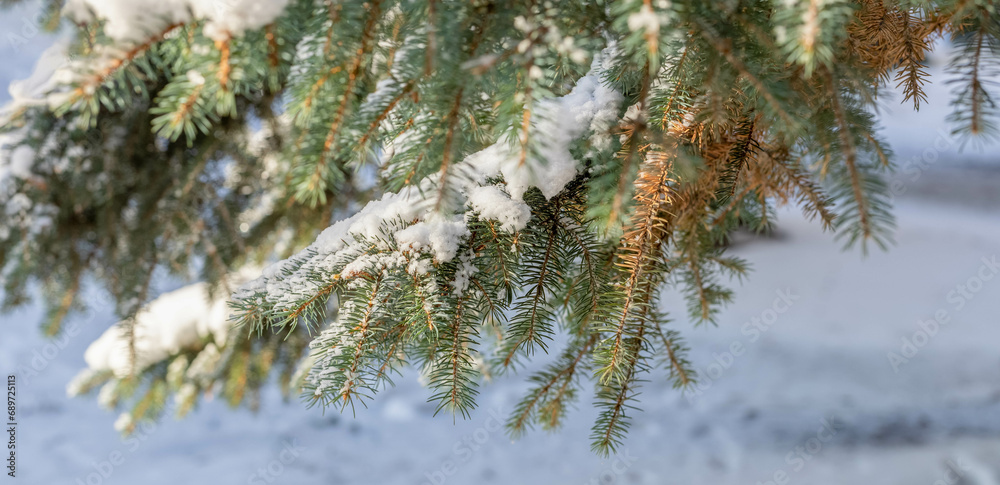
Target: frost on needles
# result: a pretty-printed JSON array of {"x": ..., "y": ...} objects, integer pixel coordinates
[{"x": 465, "y": 188}]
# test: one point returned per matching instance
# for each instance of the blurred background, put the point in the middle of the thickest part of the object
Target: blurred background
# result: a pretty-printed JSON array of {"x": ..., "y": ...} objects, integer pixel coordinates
[{"x": 829, "y": 367}]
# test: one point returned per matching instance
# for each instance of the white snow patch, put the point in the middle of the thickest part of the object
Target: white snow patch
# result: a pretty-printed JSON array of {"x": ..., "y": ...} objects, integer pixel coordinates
[
  {"x": 438, "y": 237},
  {"x": 19, "y": 164},
  {"x": 559, "y": 123},
  {"x": 464, "y": 274},
  {"x": 49, "y": 72},
  {"x": 644, "y": 20},
  {"x": 169, "y": 323},
  {"x": 492, "y": 203},
  {"x": 136, "y": 20}
]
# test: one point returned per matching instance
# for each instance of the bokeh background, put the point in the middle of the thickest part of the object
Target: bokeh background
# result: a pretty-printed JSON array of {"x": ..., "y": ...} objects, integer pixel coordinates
[{"x": 799, "y": 383}]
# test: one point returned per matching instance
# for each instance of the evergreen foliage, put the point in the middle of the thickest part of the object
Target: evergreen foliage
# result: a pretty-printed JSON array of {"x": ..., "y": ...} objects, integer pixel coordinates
[{"x": 538, "y": 173}]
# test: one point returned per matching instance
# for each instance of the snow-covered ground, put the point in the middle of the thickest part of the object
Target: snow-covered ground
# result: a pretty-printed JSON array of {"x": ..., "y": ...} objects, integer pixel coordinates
[{"x": 809, "y": 395}]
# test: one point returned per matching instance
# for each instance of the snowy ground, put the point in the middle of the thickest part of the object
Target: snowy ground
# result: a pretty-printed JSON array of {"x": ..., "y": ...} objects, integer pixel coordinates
[{"x": 811, "y": 399}]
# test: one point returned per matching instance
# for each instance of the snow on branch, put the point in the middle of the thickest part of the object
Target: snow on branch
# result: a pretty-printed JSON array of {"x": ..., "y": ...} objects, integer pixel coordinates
[
  {"x": 173, "y": 321},
  {"x": 135, "y": 20},
  {"x": 411, "y": 219}
]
